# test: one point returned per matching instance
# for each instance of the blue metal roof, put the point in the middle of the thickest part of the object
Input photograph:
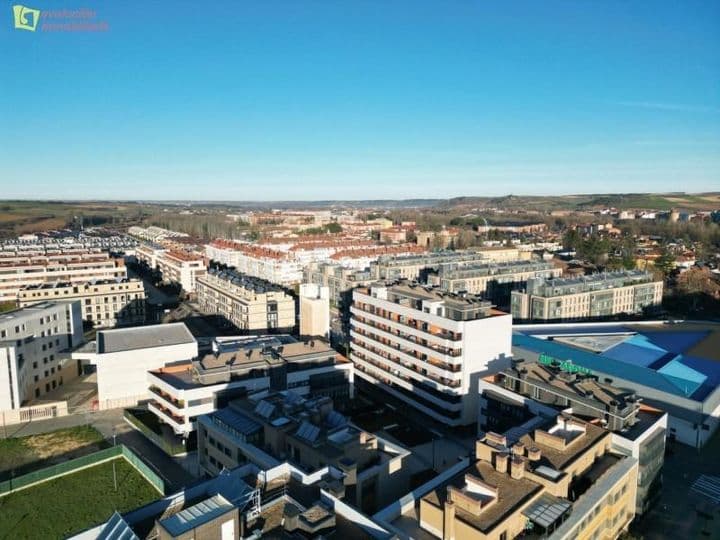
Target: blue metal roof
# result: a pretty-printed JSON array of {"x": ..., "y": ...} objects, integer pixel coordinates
[{"x": 600, "y": 363}]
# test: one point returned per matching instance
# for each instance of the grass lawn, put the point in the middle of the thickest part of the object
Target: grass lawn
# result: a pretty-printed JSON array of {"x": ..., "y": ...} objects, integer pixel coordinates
[
  {"x": 25, "y": 454},
  {"x": 69, "y": 504}
]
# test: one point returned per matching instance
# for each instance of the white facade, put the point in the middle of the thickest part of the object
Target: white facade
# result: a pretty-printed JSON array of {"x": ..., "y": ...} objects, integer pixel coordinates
[
  {"x": 129, "y": 353},
  {"x": 425, "y": 358},
  {"x": 180, "y": 405},
  {"x": 34, "y": 350}
]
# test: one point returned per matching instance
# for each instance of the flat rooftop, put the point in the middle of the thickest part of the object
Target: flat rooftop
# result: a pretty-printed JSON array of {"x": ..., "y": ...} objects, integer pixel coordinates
[
  {"x": 682, "y": 359},
  {"x": 143, "y": 337}
]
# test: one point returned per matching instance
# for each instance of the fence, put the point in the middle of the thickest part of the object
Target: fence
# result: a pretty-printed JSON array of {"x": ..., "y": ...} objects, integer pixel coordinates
[
  {"x": 74, "y": 465},
  {"x": 35, "y": 412},
  {"x": 157, "y": 440}
]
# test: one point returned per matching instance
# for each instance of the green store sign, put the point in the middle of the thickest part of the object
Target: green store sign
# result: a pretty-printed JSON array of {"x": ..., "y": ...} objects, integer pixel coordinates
[{"x": 564, "y": 365}]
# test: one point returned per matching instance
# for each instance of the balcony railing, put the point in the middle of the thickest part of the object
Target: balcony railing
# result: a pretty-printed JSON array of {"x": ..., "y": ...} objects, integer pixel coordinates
[
  {"x": 448, "y": 383},
  {"x": 166, "y": 414},
  {"x": 454, "y": 353},
  {"x": 177, "y": 403},
  {"x": 408, "y": 321}
]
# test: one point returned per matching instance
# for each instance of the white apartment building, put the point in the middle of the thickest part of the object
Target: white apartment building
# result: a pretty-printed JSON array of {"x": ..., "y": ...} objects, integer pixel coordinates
[
  {"x": 150, "y": 254},
  {"x": 124, "y": 356},
  {"x": 239, "y": 366},
  {"x": 597, "y": 295},
  {"x": 17, "y": 273},
  {"x": 183, "y": 268},
  {"x": 249, "y": 303},
  {"x": 428, "y": 348},
  {"x": 105, "y": 303},
  {"x": 154, "y": 234},
  {"x": 269, "y": 264},
  {"x": 35, "y": 344}
]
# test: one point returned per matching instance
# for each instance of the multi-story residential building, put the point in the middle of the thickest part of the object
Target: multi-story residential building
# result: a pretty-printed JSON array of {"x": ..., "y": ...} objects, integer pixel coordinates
[
  {"x": 182, "y": 267},
  {"x": 494, "y": 281},
  {"x": 427, "y": 347},
  {"x": 270, "y": 428},
  {"x": 265, "y": 263},
  {"x": 241, "y": 366},
  {"x": 561, "y": 481},
  {"x": 154, "y": 234},
  {"x": 150, "y": 254},
  {"x": 105, "y": 303},
  {"x": 672, "y": 366},
  {"x": 124, "y": 356},
  {"x": 416, "y": 267},
  {"x": 339, "y": 280},
  {"x": 314, "y": 310},
  {"x": 17, "y": 273},
  {"x": 587, "y": 297},
  {"x": 637, "y": 429},
  {"x": 246, "y": 502},
  {"x": 35, "y": 345},
  {"x": 249, "y": 303}
]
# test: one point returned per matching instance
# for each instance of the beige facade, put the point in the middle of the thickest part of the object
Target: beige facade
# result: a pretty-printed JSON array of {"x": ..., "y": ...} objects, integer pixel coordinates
[
  {"x": 183, "y": 268},
  {"x": 17, "y": 273},
  {"x": 314, "y": 310},
  {"x": 586, "y": 297},
  {"x": 104, "y": 303},
  {"x": 249, "y": 303},
  {"x": 491, "y": 279},
  {"x": 559, "y": 482}
]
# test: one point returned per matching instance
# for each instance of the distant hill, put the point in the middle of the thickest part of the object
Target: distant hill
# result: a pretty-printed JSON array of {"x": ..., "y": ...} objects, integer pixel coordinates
[{"x": 623, "y": 201}]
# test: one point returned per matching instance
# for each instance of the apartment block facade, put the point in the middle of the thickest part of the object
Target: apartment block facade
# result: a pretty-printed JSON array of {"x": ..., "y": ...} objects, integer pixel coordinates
[
  {"x": 182, "y": 267},
  {"x": 271, "y": 428},
  {"x": 637, "y": 429},
  {"x": 249, "y": 303},
  {"x": 35, "y": 345},
  {"x": 587, "y": 297},
  {"x": 104, "y": 303},
  {"x": 17, "y": 273},
  {"x": 241, "y": 366},
  {"x": 561, "y": 480},
  {"x": 491, "y": 280},
  {"x": 426, "y": 347}
]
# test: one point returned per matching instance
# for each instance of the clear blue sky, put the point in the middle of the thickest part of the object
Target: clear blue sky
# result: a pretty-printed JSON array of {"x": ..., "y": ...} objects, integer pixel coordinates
[{"x": 330, "y": 99}]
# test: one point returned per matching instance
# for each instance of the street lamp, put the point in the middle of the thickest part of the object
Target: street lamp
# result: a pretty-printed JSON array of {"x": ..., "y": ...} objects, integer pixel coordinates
[{"x": 114, "y": 434}]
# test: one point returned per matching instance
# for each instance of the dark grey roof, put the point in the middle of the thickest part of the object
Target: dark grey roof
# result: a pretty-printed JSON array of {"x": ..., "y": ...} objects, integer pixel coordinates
[{"x": 143, "y": 337}]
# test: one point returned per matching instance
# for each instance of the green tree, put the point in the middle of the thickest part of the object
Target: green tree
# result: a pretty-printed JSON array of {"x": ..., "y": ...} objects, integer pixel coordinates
[{"x": 665, "y": 263}]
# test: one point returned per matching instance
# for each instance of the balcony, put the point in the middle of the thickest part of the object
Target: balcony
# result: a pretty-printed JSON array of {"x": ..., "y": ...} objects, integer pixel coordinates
[
  {"x": 414, "y": 341},
  {"x": 177, "y": 404},
  {"x": 166, "y": 415},
  {"x": 389, "y": 363},
  {"x": 361, "y": 309},
  {"x": 415, "y": 359}
]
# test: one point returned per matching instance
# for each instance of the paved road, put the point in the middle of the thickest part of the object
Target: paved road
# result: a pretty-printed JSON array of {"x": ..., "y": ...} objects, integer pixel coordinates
[{"x": 109, "y": 423}]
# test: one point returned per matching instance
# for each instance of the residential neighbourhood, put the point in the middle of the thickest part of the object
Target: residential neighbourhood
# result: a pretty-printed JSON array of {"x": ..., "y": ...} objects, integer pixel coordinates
[{"x": 408, "y": 270}]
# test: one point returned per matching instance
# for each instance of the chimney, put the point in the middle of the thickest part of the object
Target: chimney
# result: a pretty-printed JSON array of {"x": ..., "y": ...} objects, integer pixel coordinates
[
  {"x": 534, "y": 454},
  {"x": 501, "y": 462},
  {"x": 518, "y": 449},
  {"x": 517, "y": 467}
]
